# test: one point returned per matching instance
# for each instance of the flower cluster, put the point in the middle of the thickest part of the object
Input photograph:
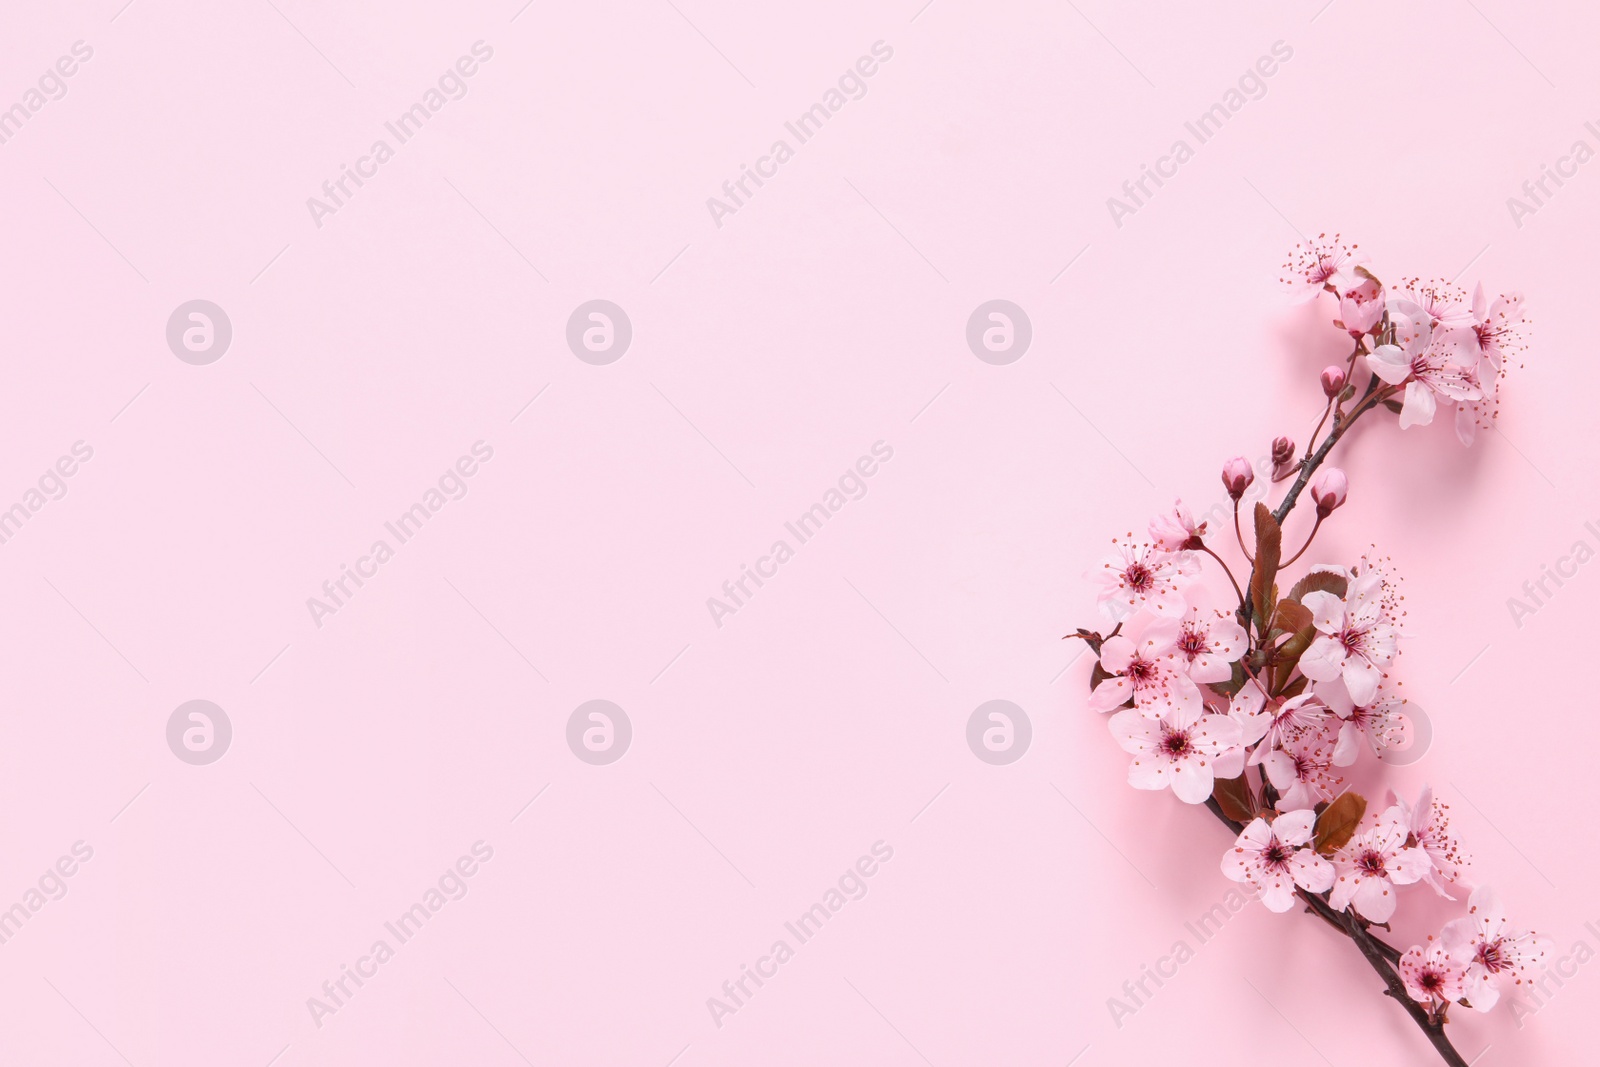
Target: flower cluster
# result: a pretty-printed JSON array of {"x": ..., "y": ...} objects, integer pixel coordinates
[
  {"x": 1257, "y": 710},
  {"x": 1425, "y": 336}
]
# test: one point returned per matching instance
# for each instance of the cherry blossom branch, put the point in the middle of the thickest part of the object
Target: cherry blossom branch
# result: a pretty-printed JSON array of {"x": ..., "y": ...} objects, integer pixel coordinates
[
  {"x": 1341, "y": 423},
  {"x": 1379, "y": 955}
]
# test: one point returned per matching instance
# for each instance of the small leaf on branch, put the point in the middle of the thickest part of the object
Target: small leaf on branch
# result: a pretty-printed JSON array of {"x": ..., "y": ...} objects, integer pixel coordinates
[
  {"x": 1320, "y": 581},
  {"x": 1393, "y": 405},
  {"x": 1291, "y": 616},
  {"x": 1269, "y": 550},
  {"x": 1338, "y": 821},
  {"x": 1235, "y": 798}
]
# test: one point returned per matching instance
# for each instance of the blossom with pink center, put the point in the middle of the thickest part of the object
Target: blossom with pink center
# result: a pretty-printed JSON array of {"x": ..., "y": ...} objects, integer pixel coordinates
[
  {"x": 1491, "y": 951},
  {"x": 1429, "y": 823},
  {"x": 1145, "y": 667},
  {"x": 1357, "y": 639},
  {"x": 1176, "y": 530},
  {"x": 1320, "y": 263},
  {"x": 1144, "y": 578},
  {"x": 1494, "y": 331},
  {"x": 1378, "y": 726},
  {"x": 1181, "y": 749},
  {"x": 1275, "y": 857},
  {"x": 1372, "y": 864},
  {"x": 1274, "y": 724},
  {"x": 1361, "y": 303},
  {"x": 1302, "y": 770},
  {"x": 1423, "y": 361},
  {"x": 1444, "y": 305},
  {"x": 1431, "y": 975},
  {"x": 1209, "y": 643}
]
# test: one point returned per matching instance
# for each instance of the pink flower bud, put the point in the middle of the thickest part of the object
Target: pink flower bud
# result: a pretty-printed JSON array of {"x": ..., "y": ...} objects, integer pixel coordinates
[
  {"x": 1329, "y": 489},
  {"x": 1332, "y": 381},
  {"x": 1237, "y": 474},
  {"x": 1282, "y": 451}
]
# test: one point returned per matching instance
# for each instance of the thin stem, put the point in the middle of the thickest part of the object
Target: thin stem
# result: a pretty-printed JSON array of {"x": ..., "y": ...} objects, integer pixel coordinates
[
  {"x": 1225, "y": 570},
  {"x": 1239, "y": 533},
  {"x": 1314, "y": 528},
  {"x": 1340, "y": 425}
]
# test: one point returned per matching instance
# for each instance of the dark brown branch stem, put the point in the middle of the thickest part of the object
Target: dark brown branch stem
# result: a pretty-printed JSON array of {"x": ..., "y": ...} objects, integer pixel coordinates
[{"x": 1381, "y": 956}]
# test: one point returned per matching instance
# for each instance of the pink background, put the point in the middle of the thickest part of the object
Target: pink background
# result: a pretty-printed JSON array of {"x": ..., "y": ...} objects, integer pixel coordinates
[{"x": 768, "y": 354}]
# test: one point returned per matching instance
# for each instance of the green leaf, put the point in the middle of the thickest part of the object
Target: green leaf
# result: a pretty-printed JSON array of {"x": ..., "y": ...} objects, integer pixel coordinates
[{"x": 1269, "y": 550}]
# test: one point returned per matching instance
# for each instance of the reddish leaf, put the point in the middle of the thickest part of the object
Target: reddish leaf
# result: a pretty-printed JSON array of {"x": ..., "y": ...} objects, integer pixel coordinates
[
  {"x": 1338, "y": 821},
  {"x": 1234, "y": 796},
  {"x": 1269, "y": 550},
  {"x": 1319, "y": 581}
]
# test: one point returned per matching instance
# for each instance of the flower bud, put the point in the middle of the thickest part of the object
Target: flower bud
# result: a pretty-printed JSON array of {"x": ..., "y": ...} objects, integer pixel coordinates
[
  {"x": 1282, "y": 451},
  {"x": 1237, "y": 474},
  {"x": 1332, "y": 381},
  {"x": 1328, "y": 490}
]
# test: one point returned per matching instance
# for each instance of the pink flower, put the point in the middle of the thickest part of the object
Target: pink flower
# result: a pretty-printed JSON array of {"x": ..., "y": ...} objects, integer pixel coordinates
[
  {"x": 1378, "y": 726},
  {"x": 1333, "y": 379},
  {"x": 1431, "y": 976},
  {"x": 1320, "y": 263},
  {"x": 1490, "y": 950},
  {"x": 1145, "y": 667},
  {"x": 1142, "y": 577},
  {"x": 1357, "y": 640},
  {"x": 1429, "y": 823},
  {"x": 1494, "y": 330},
  {"x": 1372, "y": 864},
  {"x": 1237, "y": 474},
  {"x": 1178, "y": 750},
  {"x": 1274, "y": 726},
  {"x": 1443, "y": 304},
  {"x": 1329, "y": 489},
  {"x": 1274, "y": 858},
  {"x": 1301, "y": 771},
  {"x": 1360, "y": 304},
  {"x": 1209, "y": 643},
  {"x": 1424, "y": 366},
  {"x": 1176, "y": 530}
]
